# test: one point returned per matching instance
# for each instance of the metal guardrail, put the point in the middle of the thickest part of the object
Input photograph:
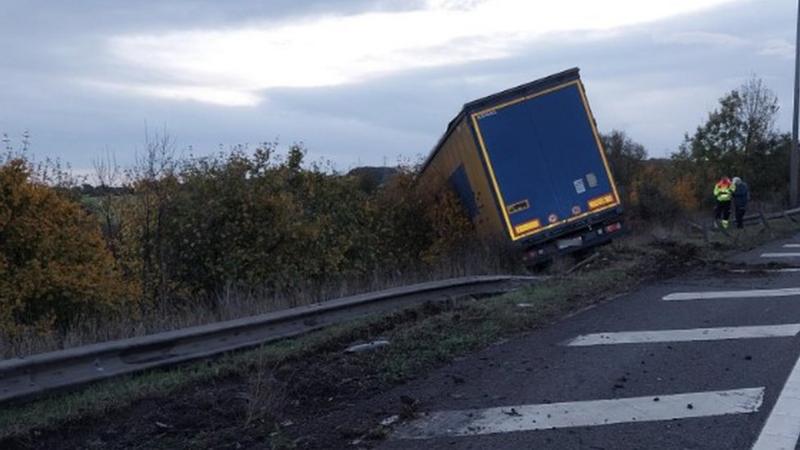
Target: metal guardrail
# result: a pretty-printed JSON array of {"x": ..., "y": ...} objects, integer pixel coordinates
[
  {"x": 753, "y": 219},
  {"x": 24, "y": 377}
]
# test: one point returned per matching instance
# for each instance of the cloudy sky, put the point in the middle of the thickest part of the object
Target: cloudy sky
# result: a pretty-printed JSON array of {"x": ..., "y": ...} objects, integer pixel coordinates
[{"x": 361, "y": 82}]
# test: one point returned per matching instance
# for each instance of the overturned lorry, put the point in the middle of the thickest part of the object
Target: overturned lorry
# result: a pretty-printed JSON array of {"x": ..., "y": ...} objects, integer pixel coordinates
[{"x": 529, "y": 167}]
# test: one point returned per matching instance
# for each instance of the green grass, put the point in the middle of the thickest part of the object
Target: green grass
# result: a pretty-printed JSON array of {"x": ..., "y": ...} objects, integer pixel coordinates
[
  {"x": 422, "y": 338},
  {"x": 475, "y": 324}
]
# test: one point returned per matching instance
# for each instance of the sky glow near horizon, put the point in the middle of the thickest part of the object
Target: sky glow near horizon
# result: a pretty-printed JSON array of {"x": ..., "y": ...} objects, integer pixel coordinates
[{"x": 234, "y": 65}]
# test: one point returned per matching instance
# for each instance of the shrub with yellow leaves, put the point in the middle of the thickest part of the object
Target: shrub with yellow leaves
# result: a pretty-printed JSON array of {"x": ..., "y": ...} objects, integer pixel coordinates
[{"x": 54, "y": 265}]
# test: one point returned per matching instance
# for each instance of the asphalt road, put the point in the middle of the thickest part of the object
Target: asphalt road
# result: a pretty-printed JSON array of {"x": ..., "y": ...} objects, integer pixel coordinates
[{"x": 662, "y": 368}]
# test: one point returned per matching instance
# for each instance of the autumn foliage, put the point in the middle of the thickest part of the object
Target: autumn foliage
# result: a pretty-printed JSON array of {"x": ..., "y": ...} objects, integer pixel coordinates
[
  {"x": 191, "y": 228},
  {"x": 183, "y": 230},
  {"x": 54, "y": 266},
  {"x": 738, "y": 138}
]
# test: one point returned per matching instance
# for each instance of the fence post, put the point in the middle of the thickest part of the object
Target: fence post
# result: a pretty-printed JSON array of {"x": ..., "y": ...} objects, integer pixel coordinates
[
  {"x": 765, "y": 223},
  {"x": 764, "y": 220},
  {"x": 702, "y": 228}
]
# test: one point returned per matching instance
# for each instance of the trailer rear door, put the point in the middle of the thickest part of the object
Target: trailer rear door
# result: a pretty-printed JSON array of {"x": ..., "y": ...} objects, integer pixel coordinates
[{"x": 545, "y": 160}]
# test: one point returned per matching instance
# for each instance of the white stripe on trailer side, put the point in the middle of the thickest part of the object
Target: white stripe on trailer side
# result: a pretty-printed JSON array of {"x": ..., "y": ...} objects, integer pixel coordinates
[
  {"x": 685, "y": 335},
  {"x": 752, "y": 293},
  {"x": 781, "y": 255},
  {"x": 782, "y": 429},
  {"x": 516, "y": 418},
  {"x": 791, "y": 245}
]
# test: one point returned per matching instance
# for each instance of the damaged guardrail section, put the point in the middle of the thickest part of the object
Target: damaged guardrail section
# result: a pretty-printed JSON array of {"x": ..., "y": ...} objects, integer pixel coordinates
[
  {"x": 23, "y": 377},
  {"x": 753, "y": 219}
]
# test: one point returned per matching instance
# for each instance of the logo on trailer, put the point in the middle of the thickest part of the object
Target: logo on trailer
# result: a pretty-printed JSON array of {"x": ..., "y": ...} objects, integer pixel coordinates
[
  {"x": 576, "y": 210},
  {"x": 552, "y": 218}
]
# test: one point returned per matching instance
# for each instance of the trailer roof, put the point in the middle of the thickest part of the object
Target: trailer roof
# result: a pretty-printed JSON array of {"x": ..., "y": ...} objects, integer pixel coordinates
[{"x": 500, "y": 97}]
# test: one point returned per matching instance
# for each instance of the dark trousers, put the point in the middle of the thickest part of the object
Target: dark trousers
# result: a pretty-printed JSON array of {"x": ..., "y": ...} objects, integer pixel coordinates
[
  {"x": 739, "y": 217},
  {"x": 723, "y": 210}
]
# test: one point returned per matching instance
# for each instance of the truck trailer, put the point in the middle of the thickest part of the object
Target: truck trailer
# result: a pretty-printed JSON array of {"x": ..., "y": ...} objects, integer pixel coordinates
[{"x": 530, "y": 170}]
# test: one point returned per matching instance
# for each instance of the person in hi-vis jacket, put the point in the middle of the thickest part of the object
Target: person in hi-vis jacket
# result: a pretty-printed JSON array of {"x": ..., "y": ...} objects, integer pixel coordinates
[{"x": 723, "y": 194}]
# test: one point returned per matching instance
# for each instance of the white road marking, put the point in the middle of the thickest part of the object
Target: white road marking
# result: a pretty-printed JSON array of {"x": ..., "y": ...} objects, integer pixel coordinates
[
  {"x": 781, "y": 255},
  {"x": 685, "y": 335},
  {"x": 782, "y": 429},
  {"x": 755, "y": 269},
  {"x": 791, "y": 245},
  {"x": 785, "y": 292},
  {"x": 581, "y": 414}
]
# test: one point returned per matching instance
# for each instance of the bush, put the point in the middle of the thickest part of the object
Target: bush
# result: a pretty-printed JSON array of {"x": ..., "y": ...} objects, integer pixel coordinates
[
  {"x": 257, "y": 220},
  {"x": 653, "y": 195},
  {"x": 54, "y": 266}
]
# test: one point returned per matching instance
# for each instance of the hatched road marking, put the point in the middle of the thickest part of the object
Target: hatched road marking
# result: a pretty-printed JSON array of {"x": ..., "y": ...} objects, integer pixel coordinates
[
  {"x": 785, "y": 292},
  {"x": 784, "y": 270},
  {"x": 685, "y": 335},
  {"x": 507, "y": 419},
  {"x": 782, "y": 429}
]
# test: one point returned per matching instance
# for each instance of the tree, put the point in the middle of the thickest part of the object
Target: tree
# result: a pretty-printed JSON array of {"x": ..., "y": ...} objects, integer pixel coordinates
[
  {"x": 624, "y": 155},
  {"x": 54, "y": 266},
  {"x": 737, "y": 139},
  {"x": 757, "y": 114}
]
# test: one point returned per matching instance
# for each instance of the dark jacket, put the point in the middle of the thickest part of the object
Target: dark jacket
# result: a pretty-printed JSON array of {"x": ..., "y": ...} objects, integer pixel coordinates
[{"x": 741, "y": 195}]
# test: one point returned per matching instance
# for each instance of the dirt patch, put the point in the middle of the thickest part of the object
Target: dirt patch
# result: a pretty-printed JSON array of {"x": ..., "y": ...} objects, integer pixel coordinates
[
  {"x": 302, "y": 404},
  {"x": 196, "y": 413}
]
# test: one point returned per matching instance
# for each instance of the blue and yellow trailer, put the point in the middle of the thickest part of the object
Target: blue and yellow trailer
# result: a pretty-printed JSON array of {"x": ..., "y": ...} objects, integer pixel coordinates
[{"x": 530, "y": 169}]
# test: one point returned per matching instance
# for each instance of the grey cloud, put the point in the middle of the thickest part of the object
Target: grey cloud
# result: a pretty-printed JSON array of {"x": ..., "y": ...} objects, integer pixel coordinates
[{"x": 638, "y": 79}]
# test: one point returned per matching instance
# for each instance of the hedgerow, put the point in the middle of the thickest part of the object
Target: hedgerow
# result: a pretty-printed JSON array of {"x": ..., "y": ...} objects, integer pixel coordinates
[{"x": 54, "y": 265}]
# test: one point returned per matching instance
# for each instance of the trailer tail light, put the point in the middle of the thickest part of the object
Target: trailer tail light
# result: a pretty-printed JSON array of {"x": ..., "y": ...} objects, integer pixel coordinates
[
  {"x": 599, "y": 202},
  {"x": 613, "y": 227}
]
